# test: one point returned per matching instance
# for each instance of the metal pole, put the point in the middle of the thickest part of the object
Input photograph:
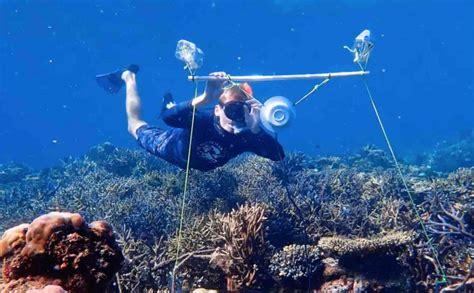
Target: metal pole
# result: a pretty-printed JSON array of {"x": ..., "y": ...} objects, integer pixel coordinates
[{"x": 280, "y": 77}]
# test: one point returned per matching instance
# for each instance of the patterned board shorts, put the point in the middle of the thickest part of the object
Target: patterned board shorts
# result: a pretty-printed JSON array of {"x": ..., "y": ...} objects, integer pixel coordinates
[
  {"x": 152, "y": 139},
  {"x": 165, "y": 144}
]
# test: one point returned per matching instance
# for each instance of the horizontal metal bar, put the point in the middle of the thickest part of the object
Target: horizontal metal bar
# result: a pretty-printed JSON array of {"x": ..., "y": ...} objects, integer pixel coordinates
[{"x": 279, "y": 77}]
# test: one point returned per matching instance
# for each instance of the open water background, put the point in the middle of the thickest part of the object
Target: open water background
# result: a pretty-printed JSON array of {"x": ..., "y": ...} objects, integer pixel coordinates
[{"x": 421, "y": 70}]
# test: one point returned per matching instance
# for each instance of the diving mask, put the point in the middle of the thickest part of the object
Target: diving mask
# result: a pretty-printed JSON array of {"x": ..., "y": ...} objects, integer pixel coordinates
[{"x": 236, "y": 110}]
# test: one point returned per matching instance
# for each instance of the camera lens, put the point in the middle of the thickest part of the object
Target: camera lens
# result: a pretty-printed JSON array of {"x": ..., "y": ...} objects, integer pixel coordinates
[{"x": 235, "y": 111}]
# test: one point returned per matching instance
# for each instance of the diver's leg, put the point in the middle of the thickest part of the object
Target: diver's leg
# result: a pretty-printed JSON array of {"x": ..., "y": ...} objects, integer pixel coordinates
[{"x": 132, "y": 103}]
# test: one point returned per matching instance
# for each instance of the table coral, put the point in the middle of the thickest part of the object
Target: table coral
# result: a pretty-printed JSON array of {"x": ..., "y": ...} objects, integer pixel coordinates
[{"x": 362, "y": 246}]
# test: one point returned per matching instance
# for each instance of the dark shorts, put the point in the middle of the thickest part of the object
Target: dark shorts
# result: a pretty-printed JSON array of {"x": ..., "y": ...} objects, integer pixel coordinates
[
  {"x": 150, "y": 138},
  {"x": 165, "y": 144}
]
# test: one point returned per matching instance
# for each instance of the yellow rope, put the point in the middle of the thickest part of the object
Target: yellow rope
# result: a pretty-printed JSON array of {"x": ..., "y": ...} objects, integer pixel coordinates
[
  {"x": 402, "y": 176},
  {"x": 315, "y": 88},
  {"x": 185, "y": 189}
]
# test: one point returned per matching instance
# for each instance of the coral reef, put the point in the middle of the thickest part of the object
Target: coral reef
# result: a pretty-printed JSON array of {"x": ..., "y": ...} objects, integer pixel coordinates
[
  {"x": 296, "y": 264},
  {"x": 360, "y": 263},
  {"x": 448, "y": 157},
  {"x": 48, "y": 289},
  {"x": 12, "y": 173},
  {"x": 59, "y": 249},
  {"x": 326, "y": 223},
  {"x": 244, "y": 248},
  {"x": 369, "y": 158},
  {"x": 361, "y": 246}
]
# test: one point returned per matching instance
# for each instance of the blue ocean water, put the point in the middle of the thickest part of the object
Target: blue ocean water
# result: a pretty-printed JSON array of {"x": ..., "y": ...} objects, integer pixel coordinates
[{"x": 50, "y": 51}]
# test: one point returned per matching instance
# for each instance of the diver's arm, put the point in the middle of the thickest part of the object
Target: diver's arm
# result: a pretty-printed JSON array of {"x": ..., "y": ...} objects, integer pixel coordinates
[
  {"x": 212, "y": 92},
  {"x": 181, "y": 114},
  {"x": 201, "y": 100},
  {"x": 268, "y": 147}
]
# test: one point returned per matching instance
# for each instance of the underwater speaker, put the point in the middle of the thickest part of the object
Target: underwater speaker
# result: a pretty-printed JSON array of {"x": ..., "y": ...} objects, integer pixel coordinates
[{"x": 276, "y": 114}]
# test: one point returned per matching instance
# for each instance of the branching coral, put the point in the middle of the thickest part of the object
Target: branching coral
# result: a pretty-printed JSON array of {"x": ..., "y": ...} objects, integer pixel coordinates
[
  {"x": 369, "y": 158},
  {"x": 465, "y": 283},
  {"x": 124, "y": 162},
  {"x": 389, "y": 214},
  {"x": 304, "y": 199},
  {"x": 450, "y": 223},
  {"x": 347, "y": 202},
  {"x": 121, "y": 201},
  {"x": 59, "y": 249},
  {"x": 447, "y": 214},
  {"x": 256, "y": 183},
  {"x": 199, "y": 238},
  {"x": 243, "y": 231},
  {"x": 213, "y": 190},
  {"x": 144, "y": 267},
  {"x": 12, "y": 173}
]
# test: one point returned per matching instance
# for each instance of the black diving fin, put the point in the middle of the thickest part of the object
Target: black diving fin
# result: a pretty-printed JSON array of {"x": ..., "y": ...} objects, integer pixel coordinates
[{"x": 112, "y": 82}]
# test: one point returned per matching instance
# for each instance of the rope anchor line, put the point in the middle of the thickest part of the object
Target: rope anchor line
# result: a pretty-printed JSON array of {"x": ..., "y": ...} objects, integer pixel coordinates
[
  {"x": 183, "y": 200},
  {"x": 404, "y": 181}
]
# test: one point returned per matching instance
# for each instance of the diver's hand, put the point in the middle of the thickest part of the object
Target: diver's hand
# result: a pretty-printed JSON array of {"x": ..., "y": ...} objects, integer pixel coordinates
[
  {"x": 253, "y": 118},
  {"x": 213, "y": 89}
]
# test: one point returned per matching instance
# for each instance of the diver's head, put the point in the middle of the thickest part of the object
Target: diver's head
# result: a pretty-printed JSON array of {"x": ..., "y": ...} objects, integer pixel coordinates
[{"x": 233, "y": 109}]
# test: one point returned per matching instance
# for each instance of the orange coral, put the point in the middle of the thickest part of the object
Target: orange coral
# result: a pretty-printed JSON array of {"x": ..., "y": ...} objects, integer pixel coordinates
[
  {"x": 13, "y": 238},
  {"x": 101, "y": 229},
  {"x": 48, "y": 289},
  {"x": 59, "y": 249},
  {"x": 42, "y": 227}
]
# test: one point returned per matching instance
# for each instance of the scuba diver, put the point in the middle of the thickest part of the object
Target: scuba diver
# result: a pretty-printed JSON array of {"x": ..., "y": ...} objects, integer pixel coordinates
[{"x": 229, "y": 129}]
